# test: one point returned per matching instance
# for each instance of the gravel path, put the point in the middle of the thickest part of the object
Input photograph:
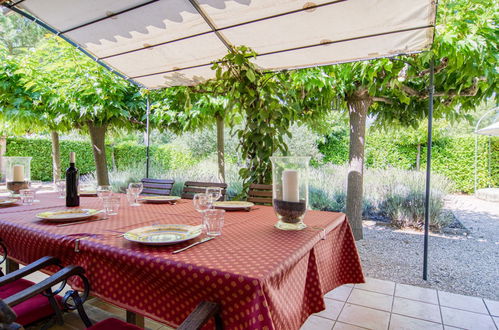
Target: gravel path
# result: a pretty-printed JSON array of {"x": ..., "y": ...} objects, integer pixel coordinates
[{"x": 461, "y": 264}]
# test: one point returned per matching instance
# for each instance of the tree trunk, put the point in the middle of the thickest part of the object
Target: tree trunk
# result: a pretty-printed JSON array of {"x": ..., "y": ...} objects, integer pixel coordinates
[
  {"x": 98, "y": 138},
  {"x": 418, "y": 157},
  {"x": 56, "y": 156},
  {"x": 220, "y": 148},
  {"x": 3, "y": 150},
  {"x": 358, "y": 105}
]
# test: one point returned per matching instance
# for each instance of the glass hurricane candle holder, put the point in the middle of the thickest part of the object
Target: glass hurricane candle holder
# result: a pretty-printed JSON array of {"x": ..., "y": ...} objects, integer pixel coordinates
[
  {"x": 17, "y": 173},
  {"x": 290, "y": 191}
]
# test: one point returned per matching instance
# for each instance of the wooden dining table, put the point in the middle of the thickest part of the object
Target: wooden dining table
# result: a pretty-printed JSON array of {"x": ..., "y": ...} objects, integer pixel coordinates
[{"x": 263, "y": 277}]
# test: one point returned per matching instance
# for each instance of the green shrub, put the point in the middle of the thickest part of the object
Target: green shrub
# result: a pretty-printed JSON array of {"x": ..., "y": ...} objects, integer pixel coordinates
[
  {"x": 129, "y": 155},
  {"x": 389, "y": 194},
  {"x": 452, "y": 156}
]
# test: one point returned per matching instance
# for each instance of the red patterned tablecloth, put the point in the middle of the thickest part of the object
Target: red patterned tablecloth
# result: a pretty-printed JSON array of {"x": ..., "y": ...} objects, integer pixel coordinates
[{"x": 263, "y": 277}]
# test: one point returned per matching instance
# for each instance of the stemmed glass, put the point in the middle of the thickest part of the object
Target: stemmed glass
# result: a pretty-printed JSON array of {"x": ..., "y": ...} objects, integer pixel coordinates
[
  {"x": 104, "y": 191},
  {"x": 60, "y": 185},
  {"x": 135, "y": 188},
  {"x": 36, "y": 185},
  {"x": 214, "y": 193},
  {"x": 202, "y": 202}
]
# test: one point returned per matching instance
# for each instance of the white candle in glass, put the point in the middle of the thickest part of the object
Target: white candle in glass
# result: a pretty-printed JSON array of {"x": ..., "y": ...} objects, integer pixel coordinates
[
  {"x": 290, "y": 186},
  {"x": 18, "y": 173}
]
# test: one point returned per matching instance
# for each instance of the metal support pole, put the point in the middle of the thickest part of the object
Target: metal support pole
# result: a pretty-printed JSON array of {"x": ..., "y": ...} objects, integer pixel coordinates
[
  {"x": 431, "y": 90},
  {"x": 476, "y": 145},
  {"x": 147, "y": 136}
]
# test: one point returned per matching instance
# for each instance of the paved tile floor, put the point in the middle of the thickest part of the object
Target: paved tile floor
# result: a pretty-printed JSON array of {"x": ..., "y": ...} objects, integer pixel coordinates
[{"x": 377, "y": 304}]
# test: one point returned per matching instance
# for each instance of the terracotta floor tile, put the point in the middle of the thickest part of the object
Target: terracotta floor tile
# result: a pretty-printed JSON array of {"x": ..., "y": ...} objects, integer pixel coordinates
[
  {"x": 317, "y": 323},
  {"x": 364, "y": 317},
  {"x": 453, "y": 300},
  {"x": 345, "y": 326},
  {"x": 417, "y": 309},
  {"x": 340, "y": 293},
  {"x": 492, "y": 306},
  {"x": 468, "y": 320},
  {"x": 416, "y": 293},
  {"x": 333, "y": 308},
  {"x": 380, "y": 286},
  {"x": 371, "y": 299},
  {"x": 400, "y": 322},
  {"x": 117, "y": 311}
]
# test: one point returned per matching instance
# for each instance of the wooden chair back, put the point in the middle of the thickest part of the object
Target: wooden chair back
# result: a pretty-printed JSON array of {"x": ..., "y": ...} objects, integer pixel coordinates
[
  {"x": 260, "y": 194},
  {"x": 157, "y": 187},
  {"x": 193, "y": 187}
]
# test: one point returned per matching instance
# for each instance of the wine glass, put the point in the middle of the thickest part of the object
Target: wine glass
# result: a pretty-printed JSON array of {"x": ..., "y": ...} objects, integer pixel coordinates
[
  {"x": 104, "y": 191},
  {"x": 60, "y": 185},
  {"x": 35, "y": 185},
  {"x": 202, "y": 202},
  {"x": 135, "y": 189},
  {"x": 214, "y": 193}
]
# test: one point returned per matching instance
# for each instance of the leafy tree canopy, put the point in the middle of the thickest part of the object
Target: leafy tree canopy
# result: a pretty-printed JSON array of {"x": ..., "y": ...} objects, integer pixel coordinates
[
  {"x": 79, "y": 89},
  {"x": 18, "y": 34}
]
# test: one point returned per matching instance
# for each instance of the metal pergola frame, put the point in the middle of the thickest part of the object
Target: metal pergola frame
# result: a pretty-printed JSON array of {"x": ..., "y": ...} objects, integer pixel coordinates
[{"x": 431, "y": 88}]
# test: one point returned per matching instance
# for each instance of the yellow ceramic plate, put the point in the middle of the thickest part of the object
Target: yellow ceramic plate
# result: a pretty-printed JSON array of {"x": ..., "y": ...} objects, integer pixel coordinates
[
  {"x": 8, "y": 201},
  {"x": 159, "y": 199},
  {"x": 88, "y": 192},
  {"x": 67, "y": 215},
  {"x": 233, "y": 205},
  {"x": 163, "y": 234}
]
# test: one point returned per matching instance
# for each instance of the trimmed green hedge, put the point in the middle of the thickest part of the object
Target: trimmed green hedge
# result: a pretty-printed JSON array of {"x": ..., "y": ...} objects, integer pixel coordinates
[
  {"x": 128, "y": 155},
  {"x": 452, "y": 157},
  {"x": 123, "y": 156},
  {"x": 41, "y": 151}
]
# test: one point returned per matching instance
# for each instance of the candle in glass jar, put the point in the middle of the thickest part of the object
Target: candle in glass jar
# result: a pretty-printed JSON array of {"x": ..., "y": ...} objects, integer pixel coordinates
[
  {"x": 290, "y": 186},
  {"x": 18, "y": 173}
]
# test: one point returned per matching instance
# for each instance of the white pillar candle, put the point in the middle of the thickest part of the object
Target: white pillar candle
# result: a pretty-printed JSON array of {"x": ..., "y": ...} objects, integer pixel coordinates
[
  {"x": 290, "y": 186},
  {"x": 18, "y": 173}
]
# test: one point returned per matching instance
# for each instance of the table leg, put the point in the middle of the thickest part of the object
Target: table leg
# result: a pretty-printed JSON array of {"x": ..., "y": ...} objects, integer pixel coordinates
[
  {"x": 135, "y": 318},
  {"x": 11, "y": 266}
]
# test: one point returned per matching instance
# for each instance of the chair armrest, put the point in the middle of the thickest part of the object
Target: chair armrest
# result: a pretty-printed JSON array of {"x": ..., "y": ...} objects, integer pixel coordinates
[
  {"x": 31, "y": 268},
  {"x": 44, "y": 285},
  {"x": 7, "y": 317},
  {"x": 203, "y": 312}
]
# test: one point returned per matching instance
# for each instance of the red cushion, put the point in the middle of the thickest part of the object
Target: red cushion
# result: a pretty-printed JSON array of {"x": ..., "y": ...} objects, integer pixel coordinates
[
  {"x": 31, "y": 310},
  {"x": 113, "y": 324}
]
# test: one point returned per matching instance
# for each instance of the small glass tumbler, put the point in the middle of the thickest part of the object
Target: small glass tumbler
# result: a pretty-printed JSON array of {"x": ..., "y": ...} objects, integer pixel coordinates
[
  {"x": 111, "y": 205},
  {"x": 27, "y": 196},
  {"x": 213, "y": 220}
]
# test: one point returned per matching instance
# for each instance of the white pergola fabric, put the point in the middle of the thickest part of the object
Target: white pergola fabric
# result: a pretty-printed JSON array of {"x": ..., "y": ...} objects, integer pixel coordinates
[
  {"x": 492, "y": 130},
  {"x": 164, "y": 43}
]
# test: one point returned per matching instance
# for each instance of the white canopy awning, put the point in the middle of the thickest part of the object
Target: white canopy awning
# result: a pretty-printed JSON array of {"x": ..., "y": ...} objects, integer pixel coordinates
[
  {"x": 162, "y": 43},
  {"x": 492, "y": 130}
]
